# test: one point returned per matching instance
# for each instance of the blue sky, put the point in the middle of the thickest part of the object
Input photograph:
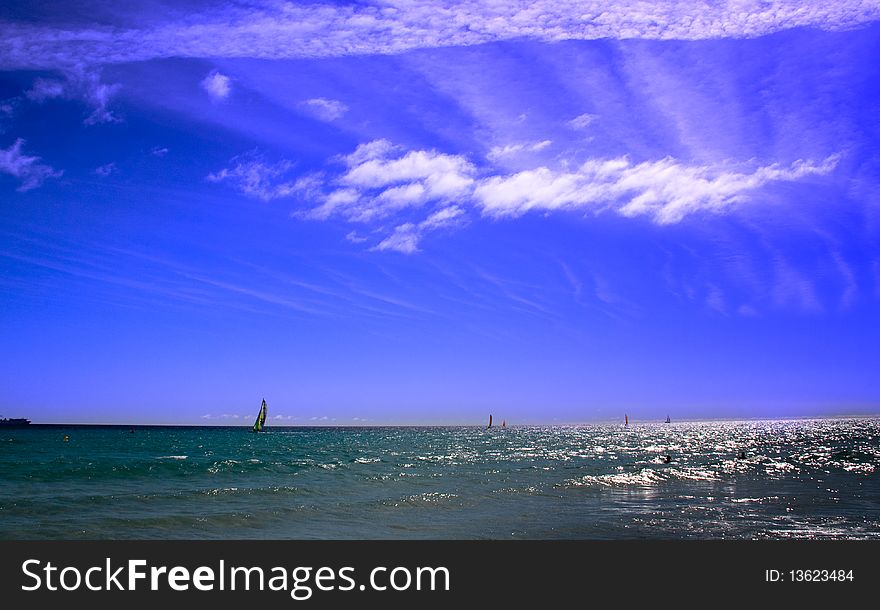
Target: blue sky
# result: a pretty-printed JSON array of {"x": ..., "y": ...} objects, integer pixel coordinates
[{"x": 423, "y": 213}]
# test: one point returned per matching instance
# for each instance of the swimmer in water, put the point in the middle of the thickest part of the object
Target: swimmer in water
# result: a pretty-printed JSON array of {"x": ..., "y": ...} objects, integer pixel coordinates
[
  {"x": 667, "y": 459},
  {"x": 741, "y": 455}
]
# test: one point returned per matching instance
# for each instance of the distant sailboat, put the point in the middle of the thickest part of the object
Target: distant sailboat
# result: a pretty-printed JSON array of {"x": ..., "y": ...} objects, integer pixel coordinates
[
  {"x": 503, "y": 423},
  {"x": 490, "y": 422},
  {"x": 668, "y": 421},
  {"x": 625, "y": 420},
  {"x": 261, "y": 418}
]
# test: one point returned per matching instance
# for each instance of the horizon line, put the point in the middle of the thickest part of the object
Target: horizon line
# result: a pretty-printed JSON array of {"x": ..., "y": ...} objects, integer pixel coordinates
[{"x": 632, "y": 422}]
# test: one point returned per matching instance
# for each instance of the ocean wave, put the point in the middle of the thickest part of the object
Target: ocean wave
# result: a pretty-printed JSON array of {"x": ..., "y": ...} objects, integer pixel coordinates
[
  {"x": 646, "y": 476},
  {"x": 761, "y": 500},
  {"x": 695, "y": 474},
  {"x": 431, "y": 498},
  {"x": 366, "y": 460}
]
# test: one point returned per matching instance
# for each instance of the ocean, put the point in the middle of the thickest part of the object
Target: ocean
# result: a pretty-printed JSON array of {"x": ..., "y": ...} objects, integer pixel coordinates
[{"x": 796, "y": 479}]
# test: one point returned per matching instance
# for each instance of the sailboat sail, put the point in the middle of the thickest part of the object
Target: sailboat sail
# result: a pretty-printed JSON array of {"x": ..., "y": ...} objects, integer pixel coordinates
[
  {"x": 490, "y": 422},
  {"x": 625, "y": 420},
  {"x": 261, "y": 418},
  {"x": 668, "y": 421},
  {"x": 503, "y": 423}
]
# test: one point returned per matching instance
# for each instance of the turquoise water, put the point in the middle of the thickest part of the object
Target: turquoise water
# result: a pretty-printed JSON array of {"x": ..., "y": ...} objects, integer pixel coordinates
[{"x": 798, "y": 479}]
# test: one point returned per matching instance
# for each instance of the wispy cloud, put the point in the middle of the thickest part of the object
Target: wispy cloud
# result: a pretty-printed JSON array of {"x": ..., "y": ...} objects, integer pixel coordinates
[
  {"x": 582, "y": 121},
  {"x": 81, "y": 85},
  {"x": 850, "y": 291},
  {"x": 105, "y": 170},
  {"x": 269, "y": 29},
  {"x": 354, "y": 238},
  {"x": 715, "y": 299},
  {"x": 577, "y": 286},
  {"x": 45, "y": 89},
  {"x": 324, "y": 109},
  {"x": 8, "y": 109},
  {"x": 255, "y": 177},
  {"x": 406, "y": 237},
  {"x": 793, "y": 288},
  {"x": 25, "y": 168},
  {"x": 216, "y": 85}
]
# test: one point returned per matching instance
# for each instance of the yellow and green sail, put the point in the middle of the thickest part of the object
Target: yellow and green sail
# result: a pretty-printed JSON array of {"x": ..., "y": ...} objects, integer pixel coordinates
[{"x": 261, "y": 418}]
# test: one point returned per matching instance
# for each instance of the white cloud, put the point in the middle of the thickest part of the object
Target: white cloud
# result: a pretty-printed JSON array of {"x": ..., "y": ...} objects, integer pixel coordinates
[
  {"x": 426, "y": 190},
  {"x": 159, "y": 152},
  {"x": 441, "y": 174},
  {"x": 499, "y": 152},
  {"x": 404, "y": 239},
  {"x": 217, "y": 85},
  {"x": 381, "y": 180},
  {"x": 324, "y": 109},
  {"x": 445, "y": 217},
  {"x": 376, "y": 149},
  {"x": 665, "y": 190},
  {"x": 27, "y": 169},
  {"x": 273, "y": 30}
]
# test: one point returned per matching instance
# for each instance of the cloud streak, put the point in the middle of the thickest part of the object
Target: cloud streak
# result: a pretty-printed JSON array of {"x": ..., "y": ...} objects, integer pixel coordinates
[
  {"x": 272, "y": 30},
  {"x": 499, "y": 152}
]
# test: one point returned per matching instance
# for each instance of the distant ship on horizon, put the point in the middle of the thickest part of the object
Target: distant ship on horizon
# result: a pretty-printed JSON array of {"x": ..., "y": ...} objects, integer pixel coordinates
[{"x": 14, "y": 421}]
